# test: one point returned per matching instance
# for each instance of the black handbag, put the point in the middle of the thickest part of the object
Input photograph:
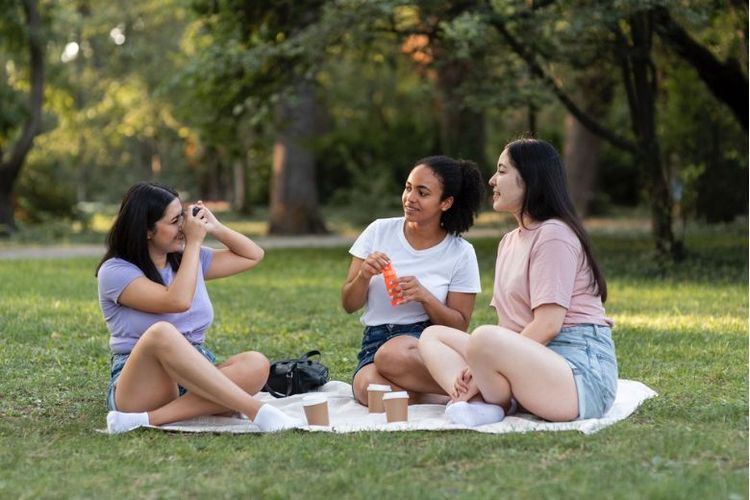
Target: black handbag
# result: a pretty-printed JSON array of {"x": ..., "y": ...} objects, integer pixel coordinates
[{"x": 296, "y": 376}]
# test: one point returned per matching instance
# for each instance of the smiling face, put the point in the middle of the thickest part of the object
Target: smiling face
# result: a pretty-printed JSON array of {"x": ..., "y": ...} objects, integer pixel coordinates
[
  {"x": 508, "y": 188},
  {"x": 166, "y": 236},
  {"x": 421, "y": 197}
]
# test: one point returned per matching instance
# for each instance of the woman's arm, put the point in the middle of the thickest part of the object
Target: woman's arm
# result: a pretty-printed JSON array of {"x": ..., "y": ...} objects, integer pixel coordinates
[
  {"x": 241, "y": 253},
  {"x": 148, "y": 296},
  {"x": 354, "y": 291},
  {"x": 456, "y": 312},
  {"x": 548, "y": 319}
]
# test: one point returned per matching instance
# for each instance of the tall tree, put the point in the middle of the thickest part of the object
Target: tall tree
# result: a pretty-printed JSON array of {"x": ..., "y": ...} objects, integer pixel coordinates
[
  {"x": 582, "y": 148},
  {"x": 294, "y": 198},
  {"x": 257, "y": 56},
  {"x": 12, "y": 161}
]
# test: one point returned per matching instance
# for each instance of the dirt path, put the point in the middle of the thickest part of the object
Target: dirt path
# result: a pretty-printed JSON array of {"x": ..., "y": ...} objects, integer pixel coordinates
[
  {"x": 605, "y": 225},
  {"x": 70, "y": 251}
]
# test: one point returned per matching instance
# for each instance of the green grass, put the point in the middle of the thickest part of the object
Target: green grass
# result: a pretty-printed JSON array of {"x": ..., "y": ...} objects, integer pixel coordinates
[{"x": 682, "y": 330}]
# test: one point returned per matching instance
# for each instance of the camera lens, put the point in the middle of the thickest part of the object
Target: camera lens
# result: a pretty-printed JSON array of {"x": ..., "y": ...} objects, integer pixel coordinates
[{"x": 195, "y": 211}]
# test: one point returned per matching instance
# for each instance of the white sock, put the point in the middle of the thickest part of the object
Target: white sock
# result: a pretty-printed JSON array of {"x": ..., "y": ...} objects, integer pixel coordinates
[
  {"x": 474, "y": 413},
  {"x": 118, "y": 421},
  {"x": 271, "y": 419}
]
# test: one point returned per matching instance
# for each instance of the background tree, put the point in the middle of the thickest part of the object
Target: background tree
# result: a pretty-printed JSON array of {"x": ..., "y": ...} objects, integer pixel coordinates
[
  {"x": 632, "y": 30},
  {"x": 17, "y": 122}
]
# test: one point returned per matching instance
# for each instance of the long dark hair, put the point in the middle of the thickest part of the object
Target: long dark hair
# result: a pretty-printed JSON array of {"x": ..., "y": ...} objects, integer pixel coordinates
[
  {"x": 547, "y": 195},
  {"x": 141, "y": 207},
  {"x": 462, "y": 180}
]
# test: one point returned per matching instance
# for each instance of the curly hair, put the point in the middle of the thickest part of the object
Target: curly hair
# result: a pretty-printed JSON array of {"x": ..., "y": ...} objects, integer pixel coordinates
[{"x": 462, "y": 180}]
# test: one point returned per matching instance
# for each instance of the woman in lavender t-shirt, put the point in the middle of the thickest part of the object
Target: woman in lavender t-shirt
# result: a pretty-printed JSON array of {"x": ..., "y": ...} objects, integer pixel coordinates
[
  {"x": 552, "y": 349},
  {"x": 154, "y": 300}
]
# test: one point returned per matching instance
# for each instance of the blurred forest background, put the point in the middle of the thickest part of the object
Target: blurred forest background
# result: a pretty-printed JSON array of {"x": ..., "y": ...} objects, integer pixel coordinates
[{"x": 298, "y": 105}]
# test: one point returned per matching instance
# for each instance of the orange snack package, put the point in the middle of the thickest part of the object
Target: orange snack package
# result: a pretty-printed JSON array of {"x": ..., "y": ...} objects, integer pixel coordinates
[{"x": 391, "y": 285}]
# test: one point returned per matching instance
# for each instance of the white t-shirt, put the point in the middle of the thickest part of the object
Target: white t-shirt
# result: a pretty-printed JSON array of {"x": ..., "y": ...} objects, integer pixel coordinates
[{"x": 449, "y": 266}]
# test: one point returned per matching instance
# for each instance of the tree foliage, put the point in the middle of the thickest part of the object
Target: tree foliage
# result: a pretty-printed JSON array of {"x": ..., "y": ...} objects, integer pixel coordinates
[{"x": 188, "y": 94}]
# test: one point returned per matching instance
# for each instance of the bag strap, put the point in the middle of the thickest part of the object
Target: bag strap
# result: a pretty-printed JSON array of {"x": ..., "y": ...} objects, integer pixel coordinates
[
  {"x": 309, "y": 354},
  {"x": 276, "y": 394},
  {"x": 289, "y": 386}
]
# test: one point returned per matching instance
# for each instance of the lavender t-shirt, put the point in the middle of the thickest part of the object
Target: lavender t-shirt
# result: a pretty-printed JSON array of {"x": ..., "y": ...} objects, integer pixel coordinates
[{"x": 127, "y": 325}]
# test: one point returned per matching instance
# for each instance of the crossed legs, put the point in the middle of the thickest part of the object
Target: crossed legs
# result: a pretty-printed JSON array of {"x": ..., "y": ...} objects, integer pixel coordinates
[
  {"x": 163, "y": 358},
  {"x": 399, "y": 364},
  {"x": 502, "y": 364}
]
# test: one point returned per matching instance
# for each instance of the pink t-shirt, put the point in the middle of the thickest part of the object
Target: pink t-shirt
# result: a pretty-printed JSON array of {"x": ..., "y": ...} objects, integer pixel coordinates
[{"x": 544, "y": 264}]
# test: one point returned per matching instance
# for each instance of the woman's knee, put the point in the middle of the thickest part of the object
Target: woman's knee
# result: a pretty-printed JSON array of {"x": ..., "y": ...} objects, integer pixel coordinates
[
  {"x": 160, "y": 334},
  {"x": 396, "y": 358},
  {"x": 251, "y": 368},
  {"x": 485, "y": 340},
  {"x": 430, "y": 334},
  {"x": 359, "y": 387}
]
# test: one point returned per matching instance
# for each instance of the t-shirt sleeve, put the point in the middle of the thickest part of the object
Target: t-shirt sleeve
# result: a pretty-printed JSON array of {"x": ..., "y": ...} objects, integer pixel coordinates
[
  {"x": 206, "y": 257},
  {"x": 466, "y": 274},
  {"x": 552, "y": 273},
  {"x": 363, "y": 246},
  {"x": 114, "y": 276}
]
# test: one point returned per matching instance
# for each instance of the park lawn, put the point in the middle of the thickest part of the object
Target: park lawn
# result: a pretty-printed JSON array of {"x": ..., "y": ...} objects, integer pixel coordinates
[{"x": 682, "y": 330}]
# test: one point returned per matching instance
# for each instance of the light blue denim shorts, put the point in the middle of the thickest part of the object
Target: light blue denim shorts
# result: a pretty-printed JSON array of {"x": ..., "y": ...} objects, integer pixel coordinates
[
  {"x": 118, "y": 363},
  {"x": 590, "y": 352}
]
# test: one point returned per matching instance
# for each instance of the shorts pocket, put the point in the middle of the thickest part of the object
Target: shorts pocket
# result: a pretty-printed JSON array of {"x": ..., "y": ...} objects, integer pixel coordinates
[{"x": 608, "y": 375}]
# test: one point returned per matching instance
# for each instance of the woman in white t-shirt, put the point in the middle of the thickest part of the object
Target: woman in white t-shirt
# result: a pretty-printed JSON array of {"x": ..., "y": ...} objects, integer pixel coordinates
[
  {"x": 552, "y": 350},
  {"x": 438, "y": 275}
]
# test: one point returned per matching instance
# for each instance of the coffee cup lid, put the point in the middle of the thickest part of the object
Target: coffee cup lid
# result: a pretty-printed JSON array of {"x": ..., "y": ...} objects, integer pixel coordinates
[
  {"x": 379, "y": 387},
  {"x": 314, "y": 399},
  {"x": 396, "y": 395}
]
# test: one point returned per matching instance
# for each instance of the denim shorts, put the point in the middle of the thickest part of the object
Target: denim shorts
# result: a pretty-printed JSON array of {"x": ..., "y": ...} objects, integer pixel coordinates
[
  {"x": 375, "y": 336},
  {"x": 590, "y": 352},
  {"x": 118, "y": 363}
]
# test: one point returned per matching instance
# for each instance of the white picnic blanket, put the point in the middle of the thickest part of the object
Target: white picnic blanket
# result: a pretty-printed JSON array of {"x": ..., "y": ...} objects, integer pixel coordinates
[{"x": 346, "y": 415}]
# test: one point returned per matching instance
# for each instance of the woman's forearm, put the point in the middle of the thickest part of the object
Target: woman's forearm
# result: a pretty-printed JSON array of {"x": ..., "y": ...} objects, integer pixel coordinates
[
  {"x": 441, "y": 314},
  {"x": 181, "y": 291},
  {"x": 354, "y": 293},
  {"x": 238, "y": 244}
]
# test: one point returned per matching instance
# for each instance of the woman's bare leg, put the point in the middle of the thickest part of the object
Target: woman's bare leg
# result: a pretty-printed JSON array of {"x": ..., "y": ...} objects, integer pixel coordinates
[
  {"x": 443, "y": 350},
  {"x": 248, "y": 370},
  {"x": 505, "y": 363},
  {"x": 367, "y": 375},
  {"x": 163, "y": 358},
  {"x": 400, "y": 361}
]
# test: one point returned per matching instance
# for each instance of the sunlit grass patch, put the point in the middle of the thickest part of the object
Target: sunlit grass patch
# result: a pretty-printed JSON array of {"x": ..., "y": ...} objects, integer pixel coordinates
[{"x": 682, "y": 330}]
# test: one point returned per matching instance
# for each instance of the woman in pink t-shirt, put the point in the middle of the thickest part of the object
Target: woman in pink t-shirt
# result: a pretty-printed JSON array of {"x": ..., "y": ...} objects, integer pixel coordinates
[{"x": 552, "y": 351}]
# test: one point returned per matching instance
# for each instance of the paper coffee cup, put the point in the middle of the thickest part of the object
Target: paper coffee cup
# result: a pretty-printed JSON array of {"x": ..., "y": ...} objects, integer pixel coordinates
[
  {"x": 396, "y": 406},
  {"x": 375, "y": 397},
  {"x": 316, "y": 409}
]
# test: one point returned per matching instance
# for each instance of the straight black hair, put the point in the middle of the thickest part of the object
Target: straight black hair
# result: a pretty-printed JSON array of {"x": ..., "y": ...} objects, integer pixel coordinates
[
  {"x": 462, "y": 180},
  {"x": 547, "y": 195},
  {"x": 143, "y": 205}
]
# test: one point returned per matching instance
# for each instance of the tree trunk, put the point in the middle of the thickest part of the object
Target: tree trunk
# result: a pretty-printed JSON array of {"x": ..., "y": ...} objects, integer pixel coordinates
[
  {"x": 581, "y": 158},
  {"x": 582, "y": 147},
  {"x": 239, "y": 200},
  {"x": 641, "y": 86},
  {"x": 462, "y": 130},
  {"x": 10, "y": 169},
  {"x": 294, "y": 196},
  {"x": 7, "y": 204}
]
